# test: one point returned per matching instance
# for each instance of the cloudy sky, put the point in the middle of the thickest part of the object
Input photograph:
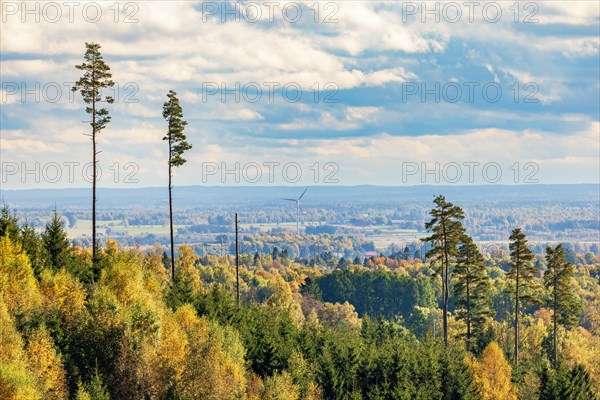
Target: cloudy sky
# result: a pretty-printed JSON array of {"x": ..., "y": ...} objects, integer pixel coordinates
[{"x": 331, "y": 92}]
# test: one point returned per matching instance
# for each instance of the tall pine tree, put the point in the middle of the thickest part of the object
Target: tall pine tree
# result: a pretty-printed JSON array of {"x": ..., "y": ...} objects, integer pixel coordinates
[
  {"x": 96, "y": 76},
  {"x": 524, "y": 277},
  {"x": 472, "y": 289},
  {"x": 562, "y": 300},
  {"x": 446, "y": 228},
  {"x": 173, "y": 113}
]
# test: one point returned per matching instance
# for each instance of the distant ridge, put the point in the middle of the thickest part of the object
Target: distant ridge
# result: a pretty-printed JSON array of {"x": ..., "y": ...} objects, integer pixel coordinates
[{"x": 219, "y": 196}]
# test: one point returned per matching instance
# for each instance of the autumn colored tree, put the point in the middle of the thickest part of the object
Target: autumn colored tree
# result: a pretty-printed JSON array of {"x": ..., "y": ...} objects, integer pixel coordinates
[
  {"x": 492, "y": 375},
  {"x": 472, "y": 289},
  {"x": 558, "y": 279},
  {"x": 62, "y": 295},
  {"x": 96, "y": 76},
  {"x": 17, "y": 381},
  {"x": 46, "y": 365},
  {"x": 523, "y": 275},
  {"x": 173, "y": 113},
  {"x": 18, "y": 286},
  {"x": 446, "y": 228}
]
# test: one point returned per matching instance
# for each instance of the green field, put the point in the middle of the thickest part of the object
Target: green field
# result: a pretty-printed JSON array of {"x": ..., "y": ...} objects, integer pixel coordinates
[
  {"x": 83, "y": 227},
  {"x": 381, "y": 235}
]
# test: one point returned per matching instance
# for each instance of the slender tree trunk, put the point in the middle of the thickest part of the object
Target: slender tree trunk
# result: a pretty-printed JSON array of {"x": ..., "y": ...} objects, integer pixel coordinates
[
  {"x": 468, "y": 310},
  {"x": 237, "y": 263},
  {"x": 555, "y": 323},
  {"x": 171, "y": 216},
  {"x": 517, "y": 311},
  {"x": 445, "y": 283},
  {"x": 446, "y": 295},
  {"x": 94, "y": 243}
]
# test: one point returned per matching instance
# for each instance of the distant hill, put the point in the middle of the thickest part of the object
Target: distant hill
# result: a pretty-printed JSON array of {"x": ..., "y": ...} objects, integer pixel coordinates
[{"x": 255, "y": 196}]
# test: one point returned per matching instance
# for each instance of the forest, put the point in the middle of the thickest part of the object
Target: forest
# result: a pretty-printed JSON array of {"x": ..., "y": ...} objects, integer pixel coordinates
[{"x": 372, "y": 328}]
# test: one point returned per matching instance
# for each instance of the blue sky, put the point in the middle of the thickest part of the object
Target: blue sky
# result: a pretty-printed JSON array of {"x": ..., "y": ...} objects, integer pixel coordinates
[{"x": 502, "y": 96}]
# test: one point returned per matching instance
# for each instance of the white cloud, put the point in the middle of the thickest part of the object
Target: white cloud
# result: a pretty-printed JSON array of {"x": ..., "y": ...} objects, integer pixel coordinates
[{"x": 369, "y": 47}]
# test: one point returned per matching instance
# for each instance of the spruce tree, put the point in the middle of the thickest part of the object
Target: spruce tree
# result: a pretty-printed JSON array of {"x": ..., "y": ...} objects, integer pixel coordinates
[
  {"x": 33, "y": 247},
  {"x": 9, "y": 223},
  {"x": 55, "y": 243},
  {"x": 96, "y": 76},
  {"x": 564, "y": 383},
  {"x": 562, "y": 300},
  {"x": 472, "y": 289},
  {"x": 173, "y": 113},
  {"x": 523, "y": 275},
  {"x": 447, "y": 229}
]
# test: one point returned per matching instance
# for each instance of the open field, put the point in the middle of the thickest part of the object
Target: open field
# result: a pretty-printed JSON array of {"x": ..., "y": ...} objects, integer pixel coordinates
[{"x": 83, "y": 228}]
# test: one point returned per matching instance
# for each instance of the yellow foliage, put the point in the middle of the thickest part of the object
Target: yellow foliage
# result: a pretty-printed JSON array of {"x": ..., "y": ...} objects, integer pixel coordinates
[
  {"x": 492, "y": 375},
  {"x": 279, "y": 387},
  {"x": 215, "y": 368},
  {"x": 186, "y": 317},
  {"x": 16, "y": 381},
  {"x": 11, "y": 343},
  {"x": 127, "y": 279},
  {"x": 581, "y": 347},
  {"x": 153, "y": 262},
  {"x": 591, "y": 316},
  {"x": 336, "y": 315},
  {"x": 171, "y": 353},
  {"x": 17, "y": 384},
  {"x": 282, "y": 296},
  {"x": 532, "y": 336},
  {"x": 82, "y": 394},
  {"x": 18, "y": 286},
  {"x": 186, "y": 271},
  {"x": 63, "y": 293},
  {"x": 46, "y": 365},
  {"x": 313, "y": 392}
]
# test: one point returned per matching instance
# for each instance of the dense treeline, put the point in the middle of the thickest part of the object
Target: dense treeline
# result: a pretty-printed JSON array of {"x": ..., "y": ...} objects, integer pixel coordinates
[
  {"x": 121, "y": 330},
  {"x": 377, "y": 292}
]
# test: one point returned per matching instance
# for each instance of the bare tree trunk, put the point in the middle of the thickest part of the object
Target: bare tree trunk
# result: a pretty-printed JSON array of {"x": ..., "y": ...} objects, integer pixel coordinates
[
  {"x": 237, "y": 263},
  {"x": 94, "y": 243},
  {"x": 517, "y": 312},
  {"x": 446, "y": 255},
  {"x": 446, "y": 295},
  {"x": 555, "y": 321},
  {"x": 171, "y": 217},
  {"x": 468, "y": 310}
]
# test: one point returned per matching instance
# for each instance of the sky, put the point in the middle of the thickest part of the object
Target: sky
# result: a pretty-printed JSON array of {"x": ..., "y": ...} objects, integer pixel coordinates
[{"x": 306, "y": 93}]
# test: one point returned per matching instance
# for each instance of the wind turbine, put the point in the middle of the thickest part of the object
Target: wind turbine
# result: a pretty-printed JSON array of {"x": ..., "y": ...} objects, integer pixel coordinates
[{"x": 297, "y": 210}]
